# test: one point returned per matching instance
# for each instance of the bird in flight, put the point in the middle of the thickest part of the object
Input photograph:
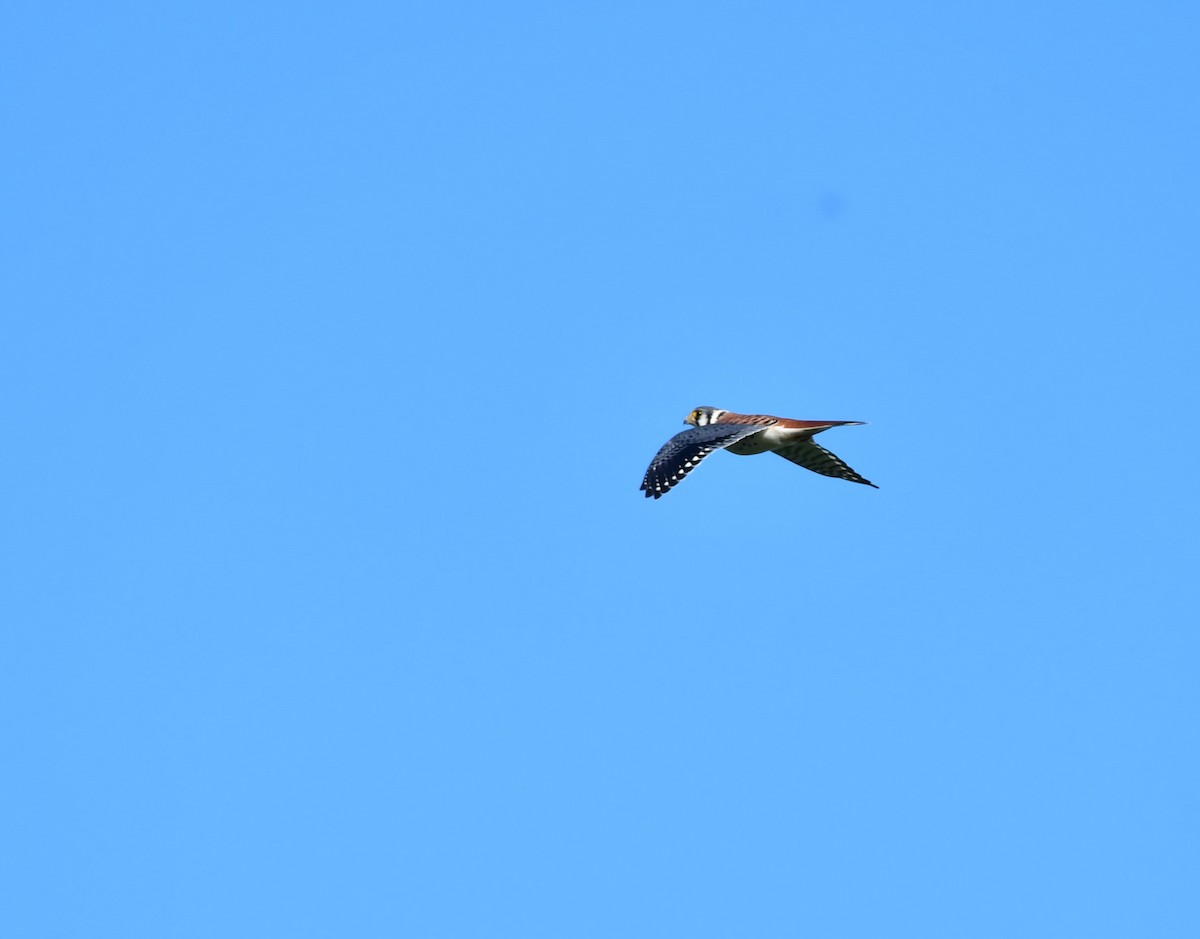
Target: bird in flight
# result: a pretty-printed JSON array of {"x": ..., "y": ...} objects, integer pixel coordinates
[{"x": 745, "y": 435}]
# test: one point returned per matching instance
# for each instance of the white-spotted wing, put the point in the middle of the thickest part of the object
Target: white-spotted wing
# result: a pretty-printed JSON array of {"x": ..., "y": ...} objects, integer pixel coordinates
[{"x": 683, "y": 453}]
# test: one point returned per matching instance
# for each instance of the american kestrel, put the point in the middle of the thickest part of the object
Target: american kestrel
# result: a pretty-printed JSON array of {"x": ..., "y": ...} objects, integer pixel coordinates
[{"x": 745, "y": 435}]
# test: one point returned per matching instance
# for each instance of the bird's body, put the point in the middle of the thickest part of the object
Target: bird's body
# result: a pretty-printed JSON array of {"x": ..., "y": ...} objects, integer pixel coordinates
[{"x": 745, "y": 435}]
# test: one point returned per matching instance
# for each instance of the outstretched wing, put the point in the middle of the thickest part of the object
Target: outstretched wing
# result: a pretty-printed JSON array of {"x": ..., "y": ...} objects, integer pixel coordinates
[
  {"x": 816, "y": 458},
  {"x": 683, "y": 453}
]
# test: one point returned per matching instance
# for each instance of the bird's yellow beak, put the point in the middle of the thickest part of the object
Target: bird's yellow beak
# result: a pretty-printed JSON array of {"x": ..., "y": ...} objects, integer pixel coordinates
[{"x": 690, "y": 419}]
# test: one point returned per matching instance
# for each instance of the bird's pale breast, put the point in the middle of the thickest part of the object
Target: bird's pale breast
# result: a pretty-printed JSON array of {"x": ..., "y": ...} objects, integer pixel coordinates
[{"x": 769, "y": 439}]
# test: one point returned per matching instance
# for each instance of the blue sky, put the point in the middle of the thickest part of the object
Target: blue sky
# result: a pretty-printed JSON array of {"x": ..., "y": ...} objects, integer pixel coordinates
[{"x": 337, "y": 340}]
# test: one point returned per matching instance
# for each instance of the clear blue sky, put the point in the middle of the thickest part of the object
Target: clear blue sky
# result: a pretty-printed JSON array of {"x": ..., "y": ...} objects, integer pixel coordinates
[{"x": 337, "y": 338}]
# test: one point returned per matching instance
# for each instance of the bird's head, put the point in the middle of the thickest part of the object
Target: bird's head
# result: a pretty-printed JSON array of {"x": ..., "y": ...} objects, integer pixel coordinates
[{"x": 702, "y": 416}]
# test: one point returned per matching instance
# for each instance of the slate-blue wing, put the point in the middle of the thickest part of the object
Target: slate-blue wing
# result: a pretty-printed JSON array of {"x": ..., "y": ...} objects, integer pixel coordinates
[{"x": 683, "y": 453}]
